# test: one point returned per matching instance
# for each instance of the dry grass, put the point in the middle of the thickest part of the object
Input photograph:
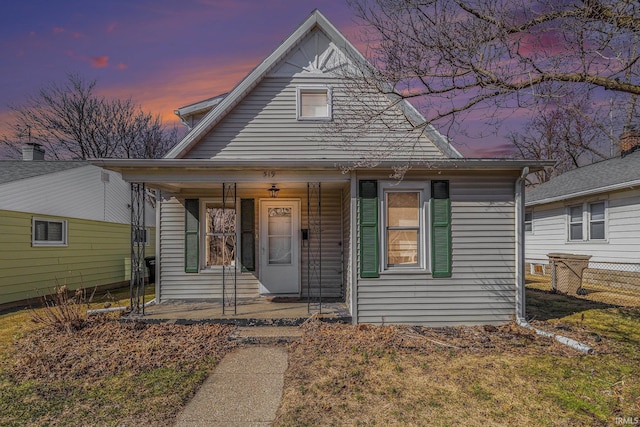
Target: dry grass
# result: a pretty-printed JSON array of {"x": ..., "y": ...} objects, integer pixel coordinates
[
  {"x": 105, "y": 373},
  {"x": 474, "y": 376},
  {"x": 596, "y": 292}
]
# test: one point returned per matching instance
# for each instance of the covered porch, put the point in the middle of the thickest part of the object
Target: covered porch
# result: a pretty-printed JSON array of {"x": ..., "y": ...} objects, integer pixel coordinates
[{"x": 236, "y": 242}]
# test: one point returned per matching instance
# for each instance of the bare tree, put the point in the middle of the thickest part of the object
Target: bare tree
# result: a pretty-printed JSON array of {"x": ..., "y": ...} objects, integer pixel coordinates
[
  {"x": 72, "y": 122},
  {"x": 568, "y": 133},
  {"x": 462, "y": 57}
]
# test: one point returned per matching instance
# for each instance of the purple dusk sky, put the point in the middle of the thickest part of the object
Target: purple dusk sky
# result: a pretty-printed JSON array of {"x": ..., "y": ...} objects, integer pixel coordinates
[{"x": 162, "y": 53}]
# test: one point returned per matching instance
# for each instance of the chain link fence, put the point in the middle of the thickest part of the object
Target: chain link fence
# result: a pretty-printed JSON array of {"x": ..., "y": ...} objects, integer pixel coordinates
[{"x": 611, "y": 283}]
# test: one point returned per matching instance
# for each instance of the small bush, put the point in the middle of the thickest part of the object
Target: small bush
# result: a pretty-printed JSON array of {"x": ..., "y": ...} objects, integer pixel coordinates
[{"x": 65, "y": 309}]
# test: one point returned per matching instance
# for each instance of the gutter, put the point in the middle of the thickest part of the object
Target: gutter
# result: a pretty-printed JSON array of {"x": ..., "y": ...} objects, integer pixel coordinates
[{"x": 520, "y": 283}]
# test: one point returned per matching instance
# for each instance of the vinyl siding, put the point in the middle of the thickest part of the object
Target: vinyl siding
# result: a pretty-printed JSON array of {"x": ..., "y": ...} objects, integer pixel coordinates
[
  {"x": 549, "y": 232},
  {"x": 265, "y": 125},
  {"x": 98, "y": 253},
  {"x": 176, "y": 284},
  {"x": 77, "y": 193},
  {"x": 481, "y": 289}
]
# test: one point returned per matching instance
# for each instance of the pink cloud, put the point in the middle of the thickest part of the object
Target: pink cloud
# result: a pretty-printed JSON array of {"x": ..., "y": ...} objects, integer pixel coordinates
[
  {"x": 122, "y": 66},
  {"x": 78, "y": 35},
  {"x": 99, "y": 61},
  {"x": 111, "y": 27},
  {"x": 58, "y": 30}
]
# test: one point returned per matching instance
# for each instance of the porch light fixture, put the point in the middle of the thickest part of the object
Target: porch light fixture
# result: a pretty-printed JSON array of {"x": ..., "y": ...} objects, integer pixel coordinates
[{"x": 273, "y": 191}]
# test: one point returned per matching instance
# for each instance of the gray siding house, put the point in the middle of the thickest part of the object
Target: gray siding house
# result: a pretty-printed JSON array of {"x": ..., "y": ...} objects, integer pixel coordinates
[
  {"x": 593, "y": 210},
  {"x": 259, "y": 199}
]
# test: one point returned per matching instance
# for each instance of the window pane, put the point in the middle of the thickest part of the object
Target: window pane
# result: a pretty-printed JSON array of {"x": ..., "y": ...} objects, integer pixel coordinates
[
  {"x": 279, "y": 250},
  {"x": 576, "y": 213},
  {"x": 40, "y": 230},
  {"x": 575, "y": 231},
  {"x": 403, "y": 209},
  {"x": 221, "y": 220},
  {"x": 314, "y": 104},
  {"x": 597, "y": 230},
  {"x": 402, "y": 247},
  {"x": 221, "y": 250},
  {"x": 528, "y": 226},
  {"x": 528, "y": 216},
  {"x": 54, "y": 233},
  {"x": 597, "y": 211}
]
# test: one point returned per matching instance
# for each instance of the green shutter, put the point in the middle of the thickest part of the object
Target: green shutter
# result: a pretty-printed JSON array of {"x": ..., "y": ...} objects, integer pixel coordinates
[
  {"x": 369, "y": 240},
  {"x": 247, "y": 234},
  {"x": 191, "y": 235},
  {"x": 440, "y": 229}
]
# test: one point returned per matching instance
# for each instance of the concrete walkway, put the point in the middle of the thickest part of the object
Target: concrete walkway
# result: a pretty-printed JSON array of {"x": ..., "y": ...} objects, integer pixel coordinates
[{"x": 244, "y": 390}]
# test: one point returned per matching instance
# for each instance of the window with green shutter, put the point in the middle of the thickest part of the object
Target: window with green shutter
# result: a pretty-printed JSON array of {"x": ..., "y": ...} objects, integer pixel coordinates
[
  {"x": 369, "y": 235},
  {"x": 440, "y": 229},
  {"x": 191, "y": 235}
]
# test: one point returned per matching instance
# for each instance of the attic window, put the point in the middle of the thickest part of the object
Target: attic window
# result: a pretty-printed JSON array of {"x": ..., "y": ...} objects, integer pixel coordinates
[{"x": 314, "y": 103}]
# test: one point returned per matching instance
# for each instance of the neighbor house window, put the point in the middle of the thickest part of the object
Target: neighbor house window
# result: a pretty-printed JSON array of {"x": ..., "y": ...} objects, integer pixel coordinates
[
  {"x": 314, "y": 103},
  {"x": 596, "y": 221},
  {"x": 588, "y": 221},
  {"x": 48, "y": 232},
  {"x": 141, "y": 237},
  {"x": 528, "y": 222},
  {"x": 575, "y": 222},
  {"x": 220, "y": 235}
]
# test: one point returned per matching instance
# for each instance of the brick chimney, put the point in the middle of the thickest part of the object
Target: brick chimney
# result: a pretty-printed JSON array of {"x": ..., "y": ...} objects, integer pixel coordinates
[
  {"x": 629, "y": 140},
  {"x": 32, "y": 151}
]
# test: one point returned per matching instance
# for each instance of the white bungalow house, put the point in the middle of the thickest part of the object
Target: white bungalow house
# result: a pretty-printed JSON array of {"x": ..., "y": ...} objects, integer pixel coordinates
[
  {"x": 65, "y": 222},
  {"x": 254, "y": 202},
  {"x": 593, "y": 210}
]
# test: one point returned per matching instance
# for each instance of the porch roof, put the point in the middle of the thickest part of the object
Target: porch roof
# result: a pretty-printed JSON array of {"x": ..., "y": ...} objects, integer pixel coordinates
[
  {"x": 177, "y": 174},
  {"x": 123, "y": 165}
]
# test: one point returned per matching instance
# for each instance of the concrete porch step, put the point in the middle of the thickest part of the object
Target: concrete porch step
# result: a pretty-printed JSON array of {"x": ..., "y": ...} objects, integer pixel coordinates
[{"x": 266, "y": 334}]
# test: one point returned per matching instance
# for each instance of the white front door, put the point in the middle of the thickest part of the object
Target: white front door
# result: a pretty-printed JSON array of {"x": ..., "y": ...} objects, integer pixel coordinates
[{"x": 279, "y": 247}]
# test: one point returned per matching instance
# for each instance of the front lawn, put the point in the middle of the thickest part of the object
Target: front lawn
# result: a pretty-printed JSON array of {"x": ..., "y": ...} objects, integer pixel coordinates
[
  {"x": 113, "y": 373},
  {"x": 106, "y": 373},
  {"x": 472, "y": 376}
]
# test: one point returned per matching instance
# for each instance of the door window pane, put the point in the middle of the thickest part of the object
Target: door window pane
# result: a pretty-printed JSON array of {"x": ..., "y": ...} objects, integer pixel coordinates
[{"x": 279, "y": 235}]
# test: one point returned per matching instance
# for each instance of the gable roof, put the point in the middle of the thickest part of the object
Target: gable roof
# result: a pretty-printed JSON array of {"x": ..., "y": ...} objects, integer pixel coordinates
[
  {"x": 607, "y": 175},
  {"x": 200, "y": 106},
  {"x": 242, "y": 89},
  {"x": 15, "y": 170}
]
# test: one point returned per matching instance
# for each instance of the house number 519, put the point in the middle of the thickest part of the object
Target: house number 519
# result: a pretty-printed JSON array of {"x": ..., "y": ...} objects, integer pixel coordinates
[{"x": 269, "y": 174}]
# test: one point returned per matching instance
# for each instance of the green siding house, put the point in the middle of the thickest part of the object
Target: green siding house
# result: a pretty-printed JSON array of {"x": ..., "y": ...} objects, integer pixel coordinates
[{"x": 65, "y": 222}]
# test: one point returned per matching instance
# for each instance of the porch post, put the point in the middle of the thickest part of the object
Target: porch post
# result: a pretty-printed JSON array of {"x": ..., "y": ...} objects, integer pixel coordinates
[
  {"x": 138, "y": 240},
  {"x": 230, "y": 271},
  {"x": 314, "y": 246}
]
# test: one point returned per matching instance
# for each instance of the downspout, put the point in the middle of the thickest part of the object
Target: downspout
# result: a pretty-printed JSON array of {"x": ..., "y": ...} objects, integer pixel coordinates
[{"x": 520, "y": 282}]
